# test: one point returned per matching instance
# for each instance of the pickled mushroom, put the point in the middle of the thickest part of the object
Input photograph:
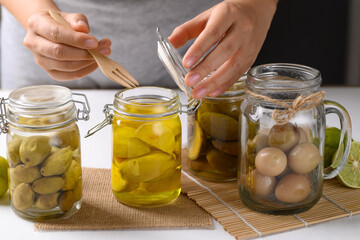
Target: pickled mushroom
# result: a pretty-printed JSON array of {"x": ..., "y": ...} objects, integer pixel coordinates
[{"x": 157, "y": 135}]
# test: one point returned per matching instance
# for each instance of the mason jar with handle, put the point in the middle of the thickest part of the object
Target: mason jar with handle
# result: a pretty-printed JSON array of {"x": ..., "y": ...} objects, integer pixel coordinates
[
  {"x": 43, "y": 150},
  {"x": 282, "y": 131}
]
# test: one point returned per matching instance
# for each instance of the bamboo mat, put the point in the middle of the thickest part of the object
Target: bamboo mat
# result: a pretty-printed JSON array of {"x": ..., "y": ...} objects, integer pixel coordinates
[{"x": 222, "y": 201}]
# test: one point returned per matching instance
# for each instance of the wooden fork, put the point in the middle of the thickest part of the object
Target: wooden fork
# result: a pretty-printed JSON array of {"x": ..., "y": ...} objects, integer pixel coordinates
[{"x": 109, "y": 67}]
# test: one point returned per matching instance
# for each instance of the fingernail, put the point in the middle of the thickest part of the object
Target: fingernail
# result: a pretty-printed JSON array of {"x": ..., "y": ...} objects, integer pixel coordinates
[
  {"x": 104, "y": 51},
  {"x": 90, "y": 43},
  {"x": 193, "y": 79},
  {"x": 107, "y": 42},
  {"x": 189, "y": 62},
  {"x": 201, "y": 93},
  {"x": 82, "y": 23}
]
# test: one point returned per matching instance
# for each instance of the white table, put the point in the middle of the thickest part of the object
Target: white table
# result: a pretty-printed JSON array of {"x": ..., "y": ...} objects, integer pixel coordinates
[{"x": 96, "y": 152}]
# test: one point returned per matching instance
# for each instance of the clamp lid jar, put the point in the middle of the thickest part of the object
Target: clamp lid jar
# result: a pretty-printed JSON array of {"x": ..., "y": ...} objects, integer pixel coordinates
[{"x": 43, "y": 150}]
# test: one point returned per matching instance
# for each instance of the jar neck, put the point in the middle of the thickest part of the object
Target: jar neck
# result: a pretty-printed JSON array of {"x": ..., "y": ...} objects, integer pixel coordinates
[
  {"x": 147, "y": 102},
  {"x": 283, "y": 81},
  {"x": 41, "y": 118}
]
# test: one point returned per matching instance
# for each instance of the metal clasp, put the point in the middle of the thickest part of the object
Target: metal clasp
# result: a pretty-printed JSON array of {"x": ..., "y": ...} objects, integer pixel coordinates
[
  {"x": 3, "y": 121},
  {"x": 84, "y": 113},
  {"x": 191, "y": 107},
  {"x": 108, "y": 108}
]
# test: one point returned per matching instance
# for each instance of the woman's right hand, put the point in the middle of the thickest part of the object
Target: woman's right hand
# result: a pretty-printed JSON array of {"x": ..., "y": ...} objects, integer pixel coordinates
[{"x": 61, "y": 51}]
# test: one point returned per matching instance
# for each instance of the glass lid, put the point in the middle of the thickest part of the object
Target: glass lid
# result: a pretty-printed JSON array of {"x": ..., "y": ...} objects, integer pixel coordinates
[
  {"x": 40, "y": 97},
  {"x": 172, "y": 61}
]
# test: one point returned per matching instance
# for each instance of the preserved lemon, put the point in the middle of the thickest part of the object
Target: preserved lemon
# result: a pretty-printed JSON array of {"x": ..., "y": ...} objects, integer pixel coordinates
[{"x": 146, "y": 150}]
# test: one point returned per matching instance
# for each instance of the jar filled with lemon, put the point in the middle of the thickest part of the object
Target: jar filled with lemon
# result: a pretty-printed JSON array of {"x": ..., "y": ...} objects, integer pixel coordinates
[{"x": 146, "y": 146}]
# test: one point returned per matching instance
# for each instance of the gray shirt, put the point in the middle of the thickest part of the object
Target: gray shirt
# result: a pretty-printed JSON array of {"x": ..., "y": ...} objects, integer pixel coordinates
[{"x": 129, "y": 24}]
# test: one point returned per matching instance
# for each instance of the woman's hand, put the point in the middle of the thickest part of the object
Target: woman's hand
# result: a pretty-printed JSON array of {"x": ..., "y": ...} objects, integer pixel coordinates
[
  {"x": 239, "y": 27},
  {"x": 61, "y": 51}
]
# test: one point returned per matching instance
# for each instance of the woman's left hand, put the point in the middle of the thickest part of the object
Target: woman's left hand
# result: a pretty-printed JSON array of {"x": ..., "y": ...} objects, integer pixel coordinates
[{"x": 239, "y": 27}]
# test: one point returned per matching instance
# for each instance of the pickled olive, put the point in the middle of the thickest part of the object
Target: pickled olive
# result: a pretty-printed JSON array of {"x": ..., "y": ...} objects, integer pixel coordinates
[
  {"x": 72, "y": 176},
  {"x": 196, "y": 142},
  {"x": 48, "y": 185},
  {"x": 270, "y": 161},
  {"x": 48, "y": 201},
  {"x": 26, "y": 174},
  {"x": 57, "y": 163},
  {"x": 66, "y": 201},
  {"x": 292, "y": 188},
  {"x": 222, "y": 162},
  {"x": 168, "y": 184},
  {"x": 33, "y": 150},
  {"x": 118, "y": 184},
  {"x": 66, "y": 138},
  {"x": 157, "y": 135},
  {"x": 219, "y": 126},
  {"x": 12, "y": 179},
  {"x": 23, "y": 196},
  {"x": 147, "y": 167},
  {"x": 226, "y": 147},
  {"x": 124, "y": 132},
  {"x": 129, "y": 147},
  {"x": 261, "y": 185},
  {"x": 77, "y": 191},
  {"x": 304, "y": 157},
  {"x": 13, "y": 151},
  {"x": 284, "y": 136}
]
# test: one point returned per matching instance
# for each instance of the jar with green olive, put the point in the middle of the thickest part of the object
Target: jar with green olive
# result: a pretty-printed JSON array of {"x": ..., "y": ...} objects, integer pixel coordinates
[
  {"x": 213, "y": 129},
  {"x": 43, "y": 150},
  {"x": 282, "y": 132}
]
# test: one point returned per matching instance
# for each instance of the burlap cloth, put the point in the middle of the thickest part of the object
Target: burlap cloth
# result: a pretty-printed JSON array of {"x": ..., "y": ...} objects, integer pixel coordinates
[{"x": 101, "y": 211}]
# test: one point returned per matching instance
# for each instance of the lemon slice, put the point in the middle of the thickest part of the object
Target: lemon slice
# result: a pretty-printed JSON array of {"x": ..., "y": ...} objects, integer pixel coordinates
[{"x": 350, "y": 175}]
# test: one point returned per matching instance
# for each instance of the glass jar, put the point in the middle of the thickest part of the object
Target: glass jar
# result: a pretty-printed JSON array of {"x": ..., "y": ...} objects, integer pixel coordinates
[
  {"x": 213, "y": 136},
  {"x": 282, "y": 131},
  {"x": 146, "y": 142},
  {"x": 43, "y": 150}
]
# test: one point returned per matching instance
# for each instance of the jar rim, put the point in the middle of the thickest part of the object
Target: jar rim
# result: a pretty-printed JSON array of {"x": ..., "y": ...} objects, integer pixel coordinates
[
  {"x": 283, "y": 76},
  {"x": 234, "y": 91},
  {"x": 146, "y": 97}
]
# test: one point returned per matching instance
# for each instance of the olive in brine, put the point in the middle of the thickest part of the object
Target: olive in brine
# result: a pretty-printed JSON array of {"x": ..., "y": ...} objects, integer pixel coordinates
[{"x": 33, "y": 150}]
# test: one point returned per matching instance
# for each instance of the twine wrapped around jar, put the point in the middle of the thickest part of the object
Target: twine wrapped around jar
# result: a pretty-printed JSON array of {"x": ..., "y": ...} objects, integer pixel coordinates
[{"x": 300, "y": 103}]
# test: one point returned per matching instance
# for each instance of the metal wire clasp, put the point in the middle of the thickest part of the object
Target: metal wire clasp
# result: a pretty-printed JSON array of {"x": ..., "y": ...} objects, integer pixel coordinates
[
  {"x": 191, "y": 107},
  {"x": 3, "y": 121},
  {"x": 108, "y": 108},
  {"x": 84, "y": 113}
]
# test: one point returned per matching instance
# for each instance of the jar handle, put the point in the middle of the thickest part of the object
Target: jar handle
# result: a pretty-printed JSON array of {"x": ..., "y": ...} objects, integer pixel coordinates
[{"x": 345, "y": 137}]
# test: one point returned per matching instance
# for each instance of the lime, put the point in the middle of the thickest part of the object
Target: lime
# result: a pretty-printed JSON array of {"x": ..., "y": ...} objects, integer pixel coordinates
[
  {"x": 3, "y": 176},
  {"x": 350, "y": 175},
  {"x": 332, "y": 138}
]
